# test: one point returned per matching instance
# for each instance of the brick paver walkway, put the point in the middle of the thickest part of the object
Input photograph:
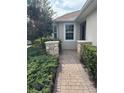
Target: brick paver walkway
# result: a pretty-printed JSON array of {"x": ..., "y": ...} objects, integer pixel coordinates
[{"x": 71, "y": 77}]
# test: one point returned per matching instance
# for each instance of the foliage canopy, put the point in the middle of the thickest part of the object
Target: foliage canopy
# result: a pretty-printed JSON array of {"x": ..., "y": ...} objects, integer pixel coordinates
[{"x": 39, "y": 19}]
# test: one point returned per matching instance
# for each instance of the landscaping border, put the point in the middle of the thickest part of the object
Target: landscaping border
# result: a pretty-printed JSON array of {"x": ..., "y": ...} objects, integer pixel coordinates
[{"x": 89, "y": 59}]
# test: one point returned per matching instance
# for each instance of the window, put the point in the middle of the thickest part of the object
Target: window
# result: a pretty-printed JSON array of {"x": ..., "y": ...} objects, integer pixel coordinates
[
  {"x": 69, "y": 32},
  {"x": 55, "y": 31}
]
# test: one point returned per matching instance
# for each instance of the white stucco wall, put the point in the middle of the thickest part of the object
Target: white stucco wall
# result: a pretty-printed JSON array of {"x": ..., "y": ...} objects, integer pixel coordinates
[
  {"x": 91, "y": 31},
  {"x": 91, "y": 27}
]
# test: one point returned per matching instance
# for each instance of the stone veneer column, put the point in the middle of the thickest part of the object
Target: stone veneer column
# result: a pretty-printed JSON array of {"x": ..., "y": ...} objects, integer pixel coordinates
[
  {"x": 79, "y": 43},
  {"x": 52, "y": 47}
]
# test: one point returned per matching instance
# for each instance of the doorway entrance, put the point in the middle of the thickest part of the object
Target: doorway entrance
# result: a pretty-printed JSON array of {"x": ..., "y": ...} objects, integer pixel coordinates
[{"x": 83, "y": 31}]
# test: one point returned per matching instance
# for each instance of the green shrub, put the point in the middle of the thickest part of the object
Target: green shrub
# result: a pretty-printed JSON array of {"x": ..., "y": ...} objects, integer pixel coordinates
[
  {"x": 41, "y": 68},
  {"x": 35, "y": 51},
  {"x": 40, "y": 42},
  {"x": 40, "y": 73},
  {"x": 81, "y": 51},
  {"x": 89, "y": 56}
]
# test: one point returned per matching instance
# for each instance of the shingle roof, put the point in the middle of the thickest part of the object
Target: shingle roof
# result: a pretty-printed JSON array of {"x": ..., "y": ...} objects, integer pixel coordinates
[{"x": 68, "y": 17}]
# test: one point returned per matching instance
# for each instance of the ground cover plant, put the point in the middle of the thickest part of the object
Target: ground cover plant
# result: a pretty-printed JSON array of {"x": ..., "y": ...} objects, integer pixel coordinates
[{"x": 41, "y": 71}]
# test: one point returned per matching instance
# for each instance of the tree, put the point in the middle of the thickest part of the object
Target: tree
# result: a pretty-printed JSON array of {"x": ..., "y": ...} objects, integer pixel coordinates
[{"x": 39, "y": 24}]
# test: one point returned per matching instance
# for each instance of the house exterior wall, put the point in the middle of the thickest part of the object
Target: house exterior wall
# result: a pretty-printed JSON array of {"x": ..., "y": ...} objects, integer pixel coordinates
[
  {"x": 88, "y": 13},
  {"x": 91, "y": 27},
  {"x": 91, "y": 31},
  {"x": 68, "y": 44}
]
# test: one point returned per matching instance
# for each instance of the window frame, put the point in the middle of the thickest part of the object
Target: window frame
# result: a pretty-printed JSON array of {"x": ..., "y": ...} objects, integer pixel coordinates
[
  {"x": 65, "y": 32},
  {"x": 55, "y": 32}
]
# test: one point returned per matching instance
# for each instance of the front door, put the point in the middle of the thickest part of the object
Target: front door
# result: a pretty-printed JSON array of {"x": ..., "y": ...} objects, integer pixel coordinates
[{"x": 83, "y": 31}]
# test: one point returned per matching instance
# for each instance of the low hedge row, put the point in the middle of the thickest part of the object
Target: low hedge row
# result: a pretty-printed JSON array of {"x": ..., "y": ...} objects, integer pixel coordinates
[
  {"x": 89, "y": 59},
  {"x": 35, "y": 51},
  {"x": 41, "y": 72}
]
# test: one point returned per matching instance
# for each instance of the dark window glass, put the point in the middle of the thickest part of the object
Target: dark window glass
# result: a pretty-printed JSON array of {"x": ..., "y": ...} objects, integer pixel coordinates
[
  {"x": 55, "y": 32},
  {"x": 69, "y": 32},
  {"x": 55, "y": 29},
  {"x": 69, "y": 36},
  {"x": 55, "y": 35}
]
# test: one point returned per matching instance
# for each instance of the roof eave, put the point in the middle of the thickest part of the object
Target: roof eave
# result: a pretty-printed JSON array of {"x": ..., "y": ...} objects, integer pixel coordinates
[{"x": 88, "y": 7}]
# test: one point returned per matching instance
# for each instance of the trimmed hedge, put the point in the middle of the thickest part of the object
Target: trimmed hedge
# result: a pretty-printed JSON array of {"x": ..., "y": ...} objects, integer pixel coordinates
[{"x": 89, "y": 59}]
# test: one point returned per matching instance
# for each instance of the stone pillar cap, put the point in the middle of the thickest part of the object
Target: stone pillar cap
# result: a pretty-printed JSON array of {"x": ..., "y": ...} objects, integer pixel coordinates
[
  {"x": 52, "y": 42},
  {"x": 81, "y": 41}
]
